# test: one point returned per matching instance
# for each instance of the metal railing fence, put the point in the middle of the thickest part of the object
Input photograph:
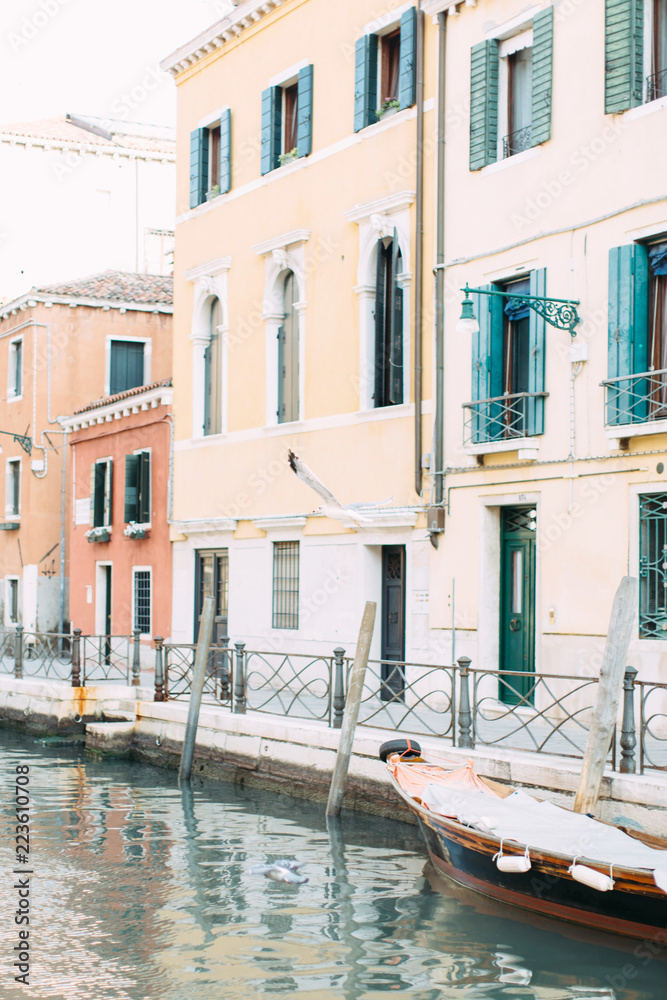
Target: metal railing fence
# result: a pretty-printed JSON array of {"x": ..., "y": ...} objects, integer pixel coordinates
[
  {"x": 635, "y": 398},
  {"x": 512, "y": 415},
  {"x": 80, "y": 659}
]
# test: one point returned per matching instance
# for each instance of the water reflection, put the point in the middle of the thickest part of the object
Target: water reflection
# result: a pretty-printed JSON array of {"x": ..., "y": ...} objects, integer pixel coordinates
[{"x": 142, "y": 891}]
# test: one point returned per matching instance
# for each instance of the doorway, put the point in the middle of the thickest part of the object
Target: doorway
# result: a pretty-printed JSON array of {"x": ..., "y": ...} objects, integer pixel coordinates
[
  {"x": 393, "y": 623},
  {"x": 517, "y": 602}
]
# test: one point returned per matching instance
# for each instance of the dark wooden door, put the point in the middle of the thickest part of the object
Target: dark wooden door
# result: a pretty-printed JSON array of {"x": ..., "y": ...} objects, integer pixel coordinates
[
  {"x": 107, "y": 614},
  {"x": 517, "y": 602},
  {"x": 212, "y": 580},
  {"x": 393, "y": 622}
]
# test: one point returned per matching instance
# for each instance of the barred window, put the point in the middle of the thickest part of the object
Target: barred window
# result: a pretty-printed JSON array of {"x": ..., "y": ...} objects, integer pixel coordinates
[
  {"x": 142, "y": 600},
  {"x": 653, "y": 566},
  {"x": 285, "y": 585}
]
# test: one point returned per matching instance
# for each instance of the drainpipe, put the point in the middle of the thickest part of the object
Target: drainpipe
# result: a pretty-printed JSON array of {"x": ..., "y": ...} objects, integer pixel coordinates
[
  {"x": 419, "y": 240},
  {"x": 439, "y": 430}
]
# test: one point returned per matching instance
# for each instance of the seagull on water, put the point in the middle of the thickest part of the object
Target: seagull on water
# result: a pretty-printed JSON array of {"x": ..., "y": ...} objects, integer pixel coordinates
[
  {"x": 280, "y": 871},
  {"x": 332, "y": 507}
]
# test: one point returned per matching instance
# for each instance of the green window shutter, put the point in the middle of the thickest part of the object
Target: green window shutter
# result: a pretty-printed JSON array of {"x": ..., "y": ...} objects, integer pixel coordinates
[
  {"x": 483, "y": 104},
  {"x": 537, "y": 327},
  {"x": 126, "y": 366},
  {"x": 380, "y": 315},
  {"x": 271, "y": 123},
  {"x": 543, "y": 43},
  {"x": 396, "y": 329},
  {"x": 365, "y": 81},
  {"x": 282, "y": 372},
  {"x": 198, "y": 166},
  {"x": 131, "y": 488},
  {"x": 225, "y": 151},
  {"x": 628, "y": 332},
  {"x": 407, "y": 59},
  {"x": 144, "y": 485},
  {"x": 108, "y": 491},
  {"x": 487, "y": 367},
  {"x": 93, "y": 483},
  {"x": 304, "y": 114},
  {"x": 623, "y": 54}
]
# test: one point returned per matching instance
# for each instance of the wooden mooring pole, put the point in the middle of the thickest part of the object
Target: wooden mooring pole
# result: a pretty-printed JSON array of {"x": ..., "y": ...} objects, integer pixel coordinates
[
  {"x": 352, "y": 702},
  {"x": 609, "y": 695},
  {"x": 198, "y": 676}
]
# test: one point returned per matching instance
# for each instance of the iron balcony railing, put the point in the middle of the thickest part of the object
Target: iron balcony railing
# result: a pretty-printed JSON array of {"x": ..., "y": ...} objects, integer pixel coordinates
[
  {"x": 77, "y": 658},
  {"x": 518, "y": 141},
  {"x": 636, "y": 398},
  {"x": 512, "y": 415},
  {"x": 656, "y": 85}
]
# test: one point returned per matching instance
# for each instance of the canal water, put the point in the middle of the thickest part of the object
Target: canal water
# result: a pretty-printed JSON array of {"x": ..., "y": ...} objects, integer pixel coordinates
[{"x": 141, "y": 891}]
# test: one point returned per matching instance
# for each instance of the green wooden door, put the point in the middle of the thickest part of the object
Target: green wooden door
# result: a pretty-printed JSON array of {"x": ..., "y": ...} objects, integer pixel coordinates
[{"x": 517, "y": 602}]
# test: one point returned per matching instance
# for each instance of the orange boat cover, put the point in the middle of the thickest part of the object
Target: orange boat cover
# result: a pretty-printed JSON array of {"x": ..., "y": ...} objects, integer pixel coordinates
[{"x": 413, "y": 778}]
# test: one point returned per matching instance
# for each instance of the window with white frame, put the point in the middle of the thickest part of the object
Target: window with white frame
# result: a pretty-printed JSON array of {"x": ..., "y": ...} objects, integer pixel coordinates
[
  {"x": 13, "y": 488},
  {"x": 126, "y": 365},
  {"x": 141, "y": 600},
  {"x": 285, "y": 585},
  {"x": 210, "y": 159},
  {"x": 15, "y": 369},
  {"x": 138, "y": 487},
  {"x": 213, "y": 373},
  {"x": 100, "y": 493},
  {"x": 12, "y": 600}
]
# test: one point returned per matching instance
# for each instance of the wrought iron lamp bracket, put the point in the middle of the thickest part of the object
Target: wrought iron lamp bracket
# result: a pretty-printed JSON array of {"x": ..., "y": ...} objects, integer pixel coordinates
[
  {"x": 560, "y": 313},
  {"x": 22, "y": 440}
]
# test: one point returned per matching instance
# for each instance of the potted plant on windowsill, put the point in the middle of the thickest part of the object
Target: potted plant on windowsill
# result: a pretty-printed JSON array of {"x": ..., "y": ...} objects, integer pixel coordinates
[
  {"x": 284, "y": 158},
  {"x": 134, "y": 530},
  {"x": 213, "y": 193},
  {"x": 388, "y": 107},
  {"x": 99, "y": 534}
]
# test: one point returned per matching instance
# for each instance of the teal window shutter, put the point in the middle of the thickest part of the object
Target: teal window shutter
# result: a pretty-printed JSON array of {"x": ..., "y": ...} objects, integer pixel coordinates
[
  {"x": 99, "y": 494},
  {"x": 131, "y": 488},
  {"x": 304, "y": 112},
  {"x": 407, "y": 59},
  {"x": 543, "y": 44},
  {"x": 225, "y": 151},
  {"x": 396, "y": 326},
  {"x": 487, "y": 367},
  {"x": 198, "y": 166},
  {"x": 365, "y": 81},
  {"x": 628, "y": 333},
  {"x": 271, "y": 125},
  {"x": 483, "y": 104},
  {"x": 537, "y": 327},
  {"x": 144, "y": 485},
  {"x": 623, "y": 54}
]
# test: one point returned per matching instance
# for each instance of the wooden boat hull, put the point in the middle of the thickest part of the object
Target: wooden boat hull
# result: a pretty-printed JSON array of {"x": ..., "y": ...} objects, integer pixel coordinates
[{"x": 635, "y": 907}]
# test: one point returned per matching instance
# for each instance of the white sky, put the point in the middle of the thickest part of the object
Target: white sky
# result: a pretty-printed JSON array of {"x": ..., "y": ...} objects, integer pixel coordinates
[{"x": 95, "y": 57}]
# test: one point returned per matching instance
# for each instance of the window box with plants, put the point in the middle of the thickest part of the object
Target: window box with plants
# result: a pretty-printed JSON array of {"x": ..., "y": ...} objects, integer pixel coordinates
[
  {"x": 388, "y": 108},
  {"x": 285, "y": 158},
  {"x": 213, "y": 193},
  {"x": 134, "y": 530},
  {"x": 99, "y": 534}
]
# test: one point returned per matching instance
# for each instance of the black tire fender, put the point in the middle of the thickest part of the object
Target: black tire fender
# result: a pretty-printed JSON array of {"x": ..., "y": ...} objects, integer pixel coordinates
[{"x": 408, "y": 749}]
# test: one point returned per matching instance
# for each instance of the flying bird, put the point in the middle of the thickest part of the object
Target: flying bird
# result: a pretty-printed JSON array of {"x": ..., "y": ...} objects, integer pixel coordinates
[
  {"x": 280, "y": 871},
  {"x": 332, "y": 507}
]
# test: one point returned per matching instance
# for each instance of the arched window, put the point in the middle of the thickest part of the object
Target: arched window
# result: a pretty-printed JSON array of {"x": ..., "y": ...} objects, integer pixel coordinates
[
  {"x": 213, "y": 374},
  {"x": 388, "y": 325},
  {"x": 288, "y": 355}
]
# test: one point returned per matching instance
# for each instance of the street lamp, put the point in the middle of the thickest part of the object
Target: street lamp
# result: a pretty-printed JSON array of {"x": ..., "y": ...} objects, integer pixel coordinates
[{"x": 560, "y": 313}]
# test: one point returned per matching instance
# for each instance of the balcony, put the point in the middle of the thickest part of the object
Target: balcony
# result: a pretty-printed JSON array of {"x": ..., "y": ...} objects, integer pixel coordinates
[
  {"x": 636, "y": 399},
  {"x": 503, "y": 418},
  {"x": 517, "y": 142}
]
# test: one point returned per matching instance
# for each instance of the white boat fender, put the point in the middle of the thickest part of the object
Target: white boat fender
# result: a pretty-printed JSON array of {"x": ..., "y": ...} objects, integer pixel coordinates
[
  {"x": 591, "y": 877},
  {"x": 512, "y": 862}
]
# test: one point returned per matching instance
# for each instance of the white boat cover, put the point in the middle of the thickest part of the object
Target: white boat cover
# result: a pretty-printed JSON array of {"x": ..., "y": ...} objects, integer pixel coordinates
[{"x": 545, "y": 826}]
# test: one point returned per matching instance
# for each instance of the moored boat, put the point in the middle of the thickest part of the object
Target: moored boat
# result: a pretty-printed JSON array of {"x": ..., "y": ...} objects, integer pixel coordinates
[{"x": 530, "y": 853}]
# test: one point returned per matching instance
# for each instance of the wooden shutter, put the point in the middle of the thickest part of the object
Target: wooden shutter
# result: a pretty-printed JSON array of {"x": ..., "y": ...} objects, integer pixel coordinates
[
  {"x": 537, "y": 327},
  {"x": 288, "y": 357},
  {"x": 395, "y": 351},
  {"x": 225, "y": 151},
  {"x": 271, "y": 123},
  {"x": 380, "y": 311},
  {"x": 483, "y": 104},
  {"x": 304, "y": 113},
  {"x": 623, "y": 54},
  {"x": 543, "y": 40},
  {"x": 144, "y": 486},
  {"x": 407, "y": 59},
  {"x": 126, "y": 366},
  {"x": 365, "y": 81},
  {"x": 487, "y": 367},
  {"x": 198, "y": 166},
  {"x": 99, "y": 490},
  {"x": 628, "y": 332},
  {"x": 131, "y": 488}
]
